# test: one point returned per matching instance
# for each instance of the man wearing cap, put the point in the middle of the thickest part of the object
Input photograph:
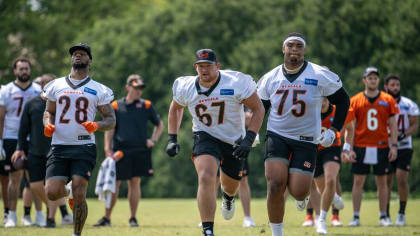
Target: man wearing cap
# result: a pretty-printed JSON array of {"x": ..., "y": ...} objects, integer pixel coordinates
[
  {"x": 215, "y": 99},
  {"x": 72, "y": 102},
  {"x": 294, "y": 91},
  {"x": 13, "y": 97},
  {"x": 374, "y": 113},
  {"x": 130, "y": 136}
]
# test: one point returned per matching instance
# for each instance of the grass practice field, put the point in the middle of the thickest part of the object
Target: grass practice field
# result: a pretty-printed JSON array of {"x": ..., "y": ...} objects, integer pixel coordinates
[{"x": 180, "y": 217}]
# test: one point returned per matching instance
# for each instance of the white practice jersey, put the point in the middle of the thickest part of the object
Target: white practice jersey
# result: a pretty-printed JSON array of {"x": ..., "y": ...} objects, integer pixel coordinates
[
  {"x": 220, "y": 113},
  {"x": 75, "y": 104},
  {"x": 407, "y": 108},
  {"x": 14, "y": 99},
  {"x": 296, "y": 106}
]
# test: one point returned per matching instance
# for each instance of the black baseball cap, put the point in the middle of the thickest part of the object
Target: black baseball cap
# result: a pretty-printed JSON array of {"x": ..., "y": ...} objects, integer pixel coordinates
[
  {"x": 81, "y": 46},
  {"x": 205, "y": 55},
  {"x": 370, "y": 70}
]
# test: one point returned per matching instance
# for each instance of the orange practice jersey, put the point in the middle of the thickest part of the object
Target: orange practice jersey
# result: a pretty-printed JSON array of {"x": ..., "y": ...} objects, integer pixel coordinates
[
  {"x": 371, "y": 129},
  {"x": 327, "y": 122}
]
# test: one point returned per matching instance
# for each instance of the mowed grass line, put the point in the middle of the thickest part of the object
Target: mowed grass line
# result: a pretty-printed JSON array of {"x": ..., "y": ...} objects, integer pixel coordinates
[{"x": 161, "y": 217}]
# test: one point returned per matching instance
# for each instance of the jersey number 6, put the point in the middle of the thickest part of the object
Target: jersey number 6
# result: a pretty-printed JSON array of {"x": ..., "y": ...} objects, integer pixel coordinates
[{"x": 80, "y": 114}]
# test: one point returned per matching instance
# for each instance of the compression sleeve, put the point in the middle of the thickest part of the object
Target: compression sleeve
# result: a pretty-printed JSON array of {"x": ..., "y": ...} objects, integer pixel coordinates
[
  {"x": 267, "y": 105},
  {"x": 341, "y": 101}
]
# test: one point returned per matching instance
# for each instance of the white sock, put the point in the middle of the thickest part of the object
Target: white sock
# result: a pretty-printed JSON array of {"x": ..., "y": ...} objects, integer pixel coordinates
[
  {"x": 39, "y": 213},
  {"x": 316, "y": 217},
  {"x": 276, "y": 229},
  {"x": 12, "y": 213},
  {"x": 323, "y": 215},
  {"x": 247, "y": 218}
]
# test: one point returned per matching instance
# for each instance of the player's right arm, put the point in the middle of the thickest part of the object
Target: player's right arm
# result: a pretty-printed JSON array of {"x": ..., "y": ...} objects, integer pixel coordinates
[
  {"x": 49, "y": 114},
  {"x": 175, "y": 114}
]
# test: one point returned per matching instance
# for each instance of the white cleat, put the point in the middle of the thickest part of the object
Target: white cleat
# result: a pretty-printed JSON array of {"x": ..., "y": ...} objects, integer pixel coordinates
[
  {"x": 11, "y": 221},
  {"x": 354, "y": 223},
  {"x": 40, "y": 219},
  {"x": 248, "y": 222},
  {"x": 26, "y": 220},
  {"x": 338, "y": 202},
  {"x": 321, "y": 227},
  {"x": 228, "y": 208},
  {"x": 69, "y": 189},
  {"x": 400, "y": 221},
  {"x": 301, "y": 205},
  {"x": 384, "y": 222},
  {"x": 67, "y": 220},
  {"x": 200, "y": 224}
]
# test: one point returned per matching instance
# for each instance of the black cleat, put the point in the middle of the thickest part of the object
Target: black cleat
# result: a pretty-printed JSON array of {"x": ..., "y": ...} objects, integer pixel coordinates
[
  {"x": 133, "y": 222},
  {"x": 50, "y": 223},
  {"x": 102, "y": 222}
]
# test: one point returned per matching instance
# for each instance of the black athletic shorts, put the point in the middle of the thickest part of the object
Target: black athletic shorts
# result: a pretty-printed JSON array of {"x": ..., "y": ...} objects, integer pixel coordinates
[
  {"x": 9, "y": 146},
  {"x": 37, "y": 167},
  {"x": 324, "y": 156},
  {"x": 382, "y": 168},
  {"x": 204, "y": 143},
  {"x": 65, "y": 161},
  {"x": 298, "y": 155},
  {"x": 135, "y": 163},
  {"x": 403, "y": 160}
]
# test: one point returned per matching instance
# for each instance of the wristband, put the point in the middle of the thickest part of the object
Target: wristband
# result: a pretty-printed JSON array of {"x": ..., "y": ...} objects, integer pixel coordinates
[{"x": 346, "y": 147}]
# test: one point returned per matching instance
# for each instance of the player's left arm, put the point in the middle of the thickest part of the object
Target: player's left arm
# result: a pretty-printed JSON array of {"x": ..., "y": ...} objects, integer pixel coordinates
[
  {"x": 108, "y": 117},
  {"x": 413, "y": 125},
  {"x": 341, "y": 100},
  {"x": 393, "y": 128}
]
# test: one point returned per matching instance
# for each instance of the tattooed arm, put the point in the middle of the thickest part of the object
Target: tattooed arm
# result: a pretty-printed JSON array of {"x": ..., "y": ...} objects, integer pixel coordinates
[
  {"x": 108, "y": 117},
  {"x": 49, "y": 114}
]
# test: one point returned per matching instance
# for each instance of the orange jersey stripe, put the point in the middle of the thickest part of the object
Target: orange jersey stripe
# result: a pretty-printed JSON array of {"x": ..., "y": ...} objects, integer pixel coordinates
[{"x": 371, "y": 128}]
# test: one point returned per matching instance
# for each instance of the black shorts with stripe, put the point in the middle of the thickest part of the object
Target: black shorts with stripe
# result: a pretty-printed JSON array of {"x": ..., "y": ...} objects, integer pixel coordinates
[
  {"x": 403, "y": 160},
  {"x": 66, "y": 161},
  {"x": 326, "y": 155},
  {"x": 204, "y": 143},
  {"x": 298, "y": 155}
]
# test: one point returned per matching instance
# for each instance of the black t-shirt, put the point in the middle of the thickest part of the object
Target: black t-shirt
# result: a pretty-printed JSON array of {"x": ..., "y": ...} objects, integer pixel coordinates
[
  {"x": 31, "y": 124},
  {"x": 131, "y": 126}
]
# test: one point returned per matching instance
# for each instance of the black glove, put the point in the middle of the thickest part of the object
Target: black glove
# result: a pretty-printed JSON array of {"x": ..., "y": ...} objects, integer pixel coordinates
[
  {"x": 242, "y": 150},
  {"x": 173, "y": 147},
  {"x": 401, "y": 136}
]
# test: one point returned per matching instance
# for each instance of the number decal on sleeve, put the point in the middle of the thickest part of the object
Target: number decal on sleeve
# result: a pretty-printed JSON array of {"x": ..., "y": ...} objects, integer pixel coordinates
[
  {"x": 400, "y": 123},
  {"x": 295, "y": 101},
  {"x": 205, "y": 118},
  {"x": 20, "y": 100},
  {"x": 80, "y": 114}
]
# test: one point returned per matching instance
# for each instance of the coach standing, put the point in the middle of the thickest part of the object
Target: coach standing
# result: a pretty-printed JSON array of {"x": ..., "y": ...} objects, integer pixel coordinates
[{"x": 130, "y": 136}]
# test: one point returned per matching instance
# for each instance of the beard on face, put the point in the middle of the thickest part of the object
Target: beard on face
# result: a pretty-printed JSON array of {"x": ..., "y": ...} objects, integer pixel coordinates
[
  {"x": 80, "y": 65},
  {"x": 395, "y": 95},
  {"x": 23, "y": 78}
]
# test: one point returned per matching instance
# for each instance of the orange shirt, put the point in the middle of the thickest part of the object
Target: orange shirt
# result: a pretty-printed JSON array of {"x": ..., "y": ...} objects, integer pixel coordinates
[
  {"x": 327, "y": 122},
  {"x": 371, "y": 129}
]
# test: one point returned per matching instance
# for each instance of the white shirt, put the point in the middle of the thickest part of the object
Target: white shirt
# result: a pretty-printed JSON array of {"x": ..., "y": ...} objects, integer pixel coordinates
[
  {"x": 75, "y": 105},
  {"x": 407, "y": 108},
  {"x": 14, "y": 99},
  {"x": 296, "y": 106},
  {"x": 221, "y": 113}
]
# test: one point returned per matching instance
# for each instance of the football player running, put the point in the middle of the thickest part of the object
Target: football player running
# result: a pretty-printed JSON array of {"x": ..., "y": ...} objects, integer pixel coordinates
[
  {"x": 72, "y": 102},
  {"x": 294, "y": 91},
  {"x": 216, "y": 99}
]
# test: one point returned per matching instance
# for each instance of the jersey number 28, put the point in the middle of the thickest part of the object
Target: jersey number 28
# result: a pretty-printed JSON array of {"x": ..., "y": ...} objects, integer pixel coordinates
[{"x": 80, "y": 115}]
